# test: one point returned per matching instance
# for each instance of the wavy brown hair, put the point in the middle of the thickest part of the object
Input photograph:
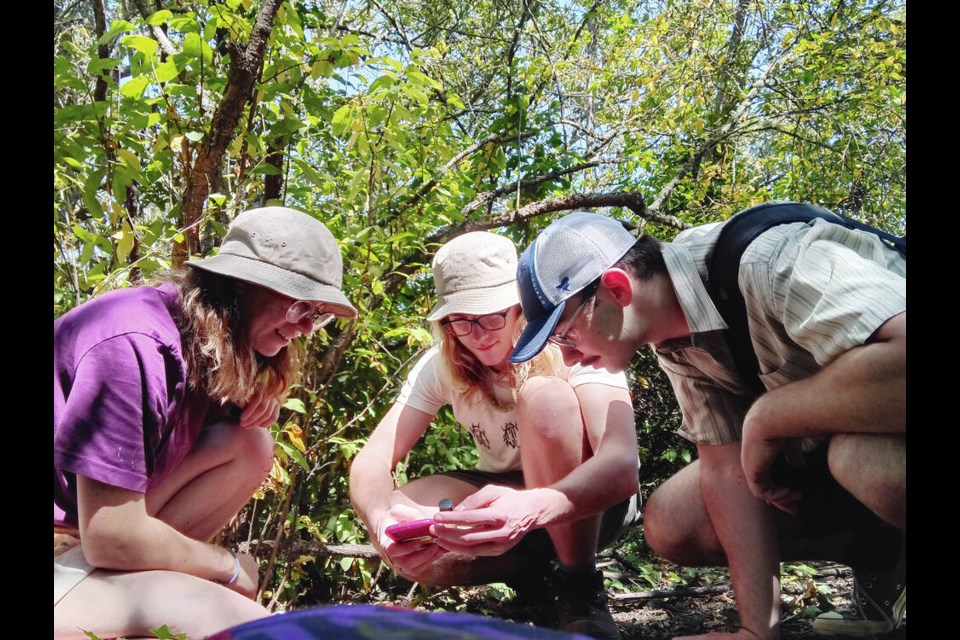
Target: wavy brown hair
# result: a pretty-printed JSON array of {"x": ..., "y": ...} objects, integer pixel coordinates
[
  {"x": 471, "y": 377},
  {"x": 219, "y": 360}
]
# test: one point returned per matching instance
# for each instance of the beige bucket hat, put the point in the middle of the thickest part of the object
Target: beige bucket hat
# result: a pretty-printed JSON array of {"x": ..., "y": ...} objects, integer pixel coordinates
[
  {"x": 286, "y": 251},
  {"x": 475, "y": 274}
]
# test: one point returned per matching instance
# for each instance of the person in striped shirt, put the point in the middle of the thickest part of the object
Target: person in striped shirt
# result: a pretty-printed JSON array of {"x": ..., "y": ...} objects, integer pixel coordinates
[{"x": 815, "y": 467}]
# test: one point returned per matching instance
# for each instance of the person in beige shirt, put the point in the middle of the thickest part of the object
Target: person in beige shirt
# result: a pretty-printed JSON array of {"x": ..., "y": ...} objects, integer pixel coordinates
[{"x": 813, "y": 468}]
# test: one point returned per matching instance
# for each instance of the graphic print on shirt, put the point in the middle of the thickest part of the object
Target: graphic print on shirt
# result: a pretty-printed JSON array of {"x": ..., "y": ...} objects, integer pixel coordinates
[
  {"x": 511, "y": 435},
  {"x": 479, "y": 435}
]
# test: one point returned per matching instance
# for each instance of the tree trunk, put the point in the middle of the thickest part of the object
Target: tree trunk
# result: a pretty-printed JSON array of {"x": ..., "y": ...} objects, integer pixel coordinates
[{"x": 245, "y": 65}]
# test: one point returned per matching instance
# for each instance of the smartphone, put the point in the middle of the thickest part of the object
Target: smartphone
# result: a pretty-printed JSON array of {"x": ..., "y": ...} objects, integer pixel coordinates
[{"x": 413, "y": 530}]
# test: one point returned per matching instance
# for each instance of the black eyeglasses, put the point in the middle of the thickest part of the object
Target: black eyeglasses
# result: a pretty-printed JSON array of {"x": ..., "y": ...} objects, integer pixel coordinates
[
  {"x": 464, "y": 326},
  {"x": 560, "y": 339}
]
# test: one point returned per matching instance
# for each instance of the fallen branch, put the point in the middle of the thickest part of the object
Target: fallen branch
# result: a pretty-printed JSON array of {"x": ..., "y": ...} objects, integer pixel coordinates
[
  {"x": 311, "y": 548},
  {"x": 659, "y": 594}
]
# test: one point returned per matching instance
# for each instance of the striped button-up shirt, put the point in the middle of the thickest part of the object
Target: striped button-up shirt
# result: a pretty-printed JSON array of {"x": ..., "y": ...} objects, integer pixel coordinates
[{"x": 813, "y": 291}]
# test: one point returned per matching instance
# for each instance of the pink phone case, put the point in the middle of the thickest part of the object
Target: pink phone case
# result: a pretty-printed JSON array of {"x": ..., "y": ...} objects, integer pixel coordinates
[{"x": 404, "y": 531}]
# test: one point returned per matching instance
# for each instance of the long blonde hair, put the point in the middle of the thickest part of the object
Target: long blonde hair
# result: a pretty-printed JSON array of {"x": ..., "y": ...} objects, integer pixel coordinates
[
  {"x": 470, "y": 377},
  {"x": 218, "y": 358}
]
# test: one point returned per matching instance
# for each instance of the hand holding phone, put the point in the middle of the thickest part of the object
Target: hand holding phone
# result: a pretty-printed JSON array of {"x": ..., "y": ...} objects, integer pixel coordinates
[
  {"x": 412, "y": 530},
  {"x": 416, "y": 529}
]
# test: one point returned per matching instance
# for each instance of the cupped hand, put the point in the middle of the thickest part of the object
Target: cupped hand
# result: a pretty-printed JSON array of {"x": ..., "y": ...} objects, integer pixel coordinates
[
  {"x": 491, "y": 521},
  {"x": 411, "y": 557},
  {"x": 757, "y": 456},
  {"x": 261, "y": 411}
]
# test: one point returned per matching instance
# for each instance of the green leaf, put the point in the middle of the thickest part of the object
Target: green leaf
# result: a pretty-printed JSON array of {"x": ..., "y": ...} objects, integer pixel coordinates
[
  {"x": 266, "y": 169},
  {"x": 145, "y": 45},
  {"x": 291, "y": 451},
  {"x": 193, "y": 136},
  {"x": 159, "y": 18},
  {"x": 124, "y": 239},
  {"x": 195, "y": 47},
  {"x": 376, "y": 114},
  {"x": 134, "y": 88},
  {"x": 383, "y": 82},
  {"x": 295, "y": 404},
  {"x": 129, "y": 158},
  {"x": 96, "y": 65},
  {"x": 116, "y": 27},
  {"x": 166, "y": 71},
  {"x": 186, "y": 23},
  {"x": 163, "y": 633},
  {"x": 342, "y": 119},
  {"x": 90, "y": 188},
  {"x": 73, "y": 162},
  {"x": 321, "y": 68}
]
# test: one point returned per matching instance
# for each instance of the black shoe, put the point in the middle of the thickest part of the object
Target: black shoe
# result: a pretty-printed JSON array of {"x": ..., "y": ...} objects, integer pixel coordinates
[
  {"x": 878, "y": 604},
  {"x": 581, "y": 604}
]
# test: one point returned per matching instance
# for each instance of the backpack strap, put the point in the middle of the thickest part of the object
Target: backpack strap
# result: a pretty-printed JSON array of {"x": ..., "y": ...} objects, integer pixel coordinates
[{"x": 724, "y": 269}]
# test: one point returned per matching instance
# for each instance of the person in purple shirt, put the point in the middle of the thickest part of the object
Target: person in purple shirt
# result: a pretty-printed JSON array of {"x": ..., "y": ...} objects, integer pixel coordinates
[{"x": 159, "y": 393}]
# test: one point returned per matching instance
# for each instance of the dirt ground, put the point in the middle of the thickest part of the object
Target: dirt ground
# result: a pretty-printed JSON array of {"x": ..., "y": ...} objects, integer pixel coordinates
[
  {"x": 665, "y": 619},
  {"x": 642, "y": 617}
]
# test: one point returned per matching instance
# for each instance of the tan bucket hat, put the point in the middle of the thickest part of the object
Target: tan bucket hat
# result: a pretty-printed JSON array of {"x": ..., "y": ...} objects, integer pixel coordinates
[
  {"x": 286, "y": 251},
  {"x": 475, "y": 274}
]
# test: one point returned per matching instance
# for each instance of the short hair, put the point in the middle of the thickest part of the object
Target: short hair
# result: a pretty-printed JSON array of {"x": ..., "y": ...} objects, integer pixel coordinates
[{"x": 644, "y": 260}]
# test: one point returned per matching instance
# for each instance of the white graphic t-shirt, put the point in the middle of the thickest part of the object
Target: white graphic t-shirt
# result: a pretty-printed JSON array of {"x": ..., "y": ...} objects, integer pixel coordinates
[{"x": 494, "y": 431}]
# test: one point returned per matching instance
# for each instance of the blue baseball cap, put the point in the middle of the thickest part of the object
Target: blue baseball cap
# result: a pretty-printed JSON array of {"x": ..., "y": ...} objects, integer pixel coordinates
[{"x": 563, "y": 259}]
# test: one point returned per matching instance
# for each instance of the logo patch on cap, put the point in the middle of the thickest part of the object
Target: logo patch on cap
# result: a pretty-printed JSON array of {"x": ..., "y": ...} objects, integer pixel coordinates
[{"x": 564, "y": 284}]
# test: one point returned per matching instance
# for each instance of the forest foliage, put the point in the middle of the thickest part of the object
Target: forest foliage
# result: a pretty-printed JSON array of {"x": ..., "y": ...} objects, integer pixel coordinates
[{"x": 402, "y": 123}]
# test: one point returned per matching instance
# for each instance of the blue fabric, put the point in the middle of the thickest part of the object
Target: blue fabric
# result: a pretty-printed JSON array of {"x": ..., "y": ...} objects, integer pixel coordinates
[{"x": 385, "y": 623}]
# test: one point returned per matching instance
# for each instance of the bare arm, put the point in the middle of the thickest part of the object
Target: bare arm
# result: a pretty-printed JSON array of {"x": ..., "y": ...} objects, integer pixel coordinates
[
  {"x": 118, "y": 534},
  {"x": 862, "y": 391},
  {"x": 371, "y": 474},
  {"x": 501, "y": 515}
]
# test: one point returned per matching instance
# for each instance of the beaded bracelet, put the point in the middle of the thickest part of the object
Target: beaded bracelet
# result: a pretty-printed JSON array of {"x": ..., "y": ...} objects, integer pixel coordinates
[{"x": 236, "y": 569}]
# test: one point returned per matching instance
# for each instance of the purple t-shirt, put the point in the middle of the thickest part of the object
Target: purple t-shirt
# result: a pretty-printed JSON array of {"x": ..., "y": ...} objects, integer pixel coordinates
[{"x": 121, "y": 410}]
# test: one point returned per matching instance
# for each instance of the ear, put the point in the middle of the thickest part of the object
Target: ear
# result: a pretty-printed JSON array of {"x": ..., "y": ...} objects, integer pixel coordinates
[{"x": 618, "y": 284}]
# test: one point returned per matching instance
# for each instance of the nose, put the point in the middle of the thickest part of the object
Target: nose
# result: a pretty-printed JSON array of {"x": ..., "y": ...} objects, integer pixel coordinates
[
  {"x": 478, "y": 333},
  {"x": 570, "y": 356}
]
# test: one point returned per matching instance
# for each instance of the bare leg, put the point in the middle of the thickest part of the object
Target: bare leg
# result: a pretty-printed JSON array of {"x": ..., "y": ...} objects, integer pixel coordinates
[
  {"x": 872, "y": 467},
  {"x": 214, "y": 481},
  {"x": 676, "y": 524},
  {"x": 113, "y": 604},
  {"x": 210, "y": 486},
  {"x": 554, "y": 443}
]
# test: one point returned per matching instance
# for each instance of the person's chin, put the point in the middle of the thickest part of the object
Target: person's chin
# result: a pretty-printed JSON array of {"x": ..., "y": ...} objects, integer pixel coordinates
[
  {"x": 271, "y": 348},
  {"x": 612, "y": 364}
]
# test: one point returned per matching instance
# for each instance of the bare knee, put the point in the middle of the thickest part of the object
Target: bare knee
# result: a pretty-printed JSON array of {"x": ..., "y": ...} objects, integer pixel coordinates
[
  {"x": 872, "y": 467},
  {"x": 661, "y": 535},
  {"x": 549, "y": 407},
  {"x": 254, "y": 451},
  {"x": 676, "y": 525}
]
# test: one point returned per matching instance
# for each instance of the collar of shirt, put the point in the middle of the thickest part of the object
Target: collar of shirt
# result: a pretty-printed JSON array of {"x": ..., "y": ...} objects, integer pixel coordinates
[{"x": 697, "y": 306}]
